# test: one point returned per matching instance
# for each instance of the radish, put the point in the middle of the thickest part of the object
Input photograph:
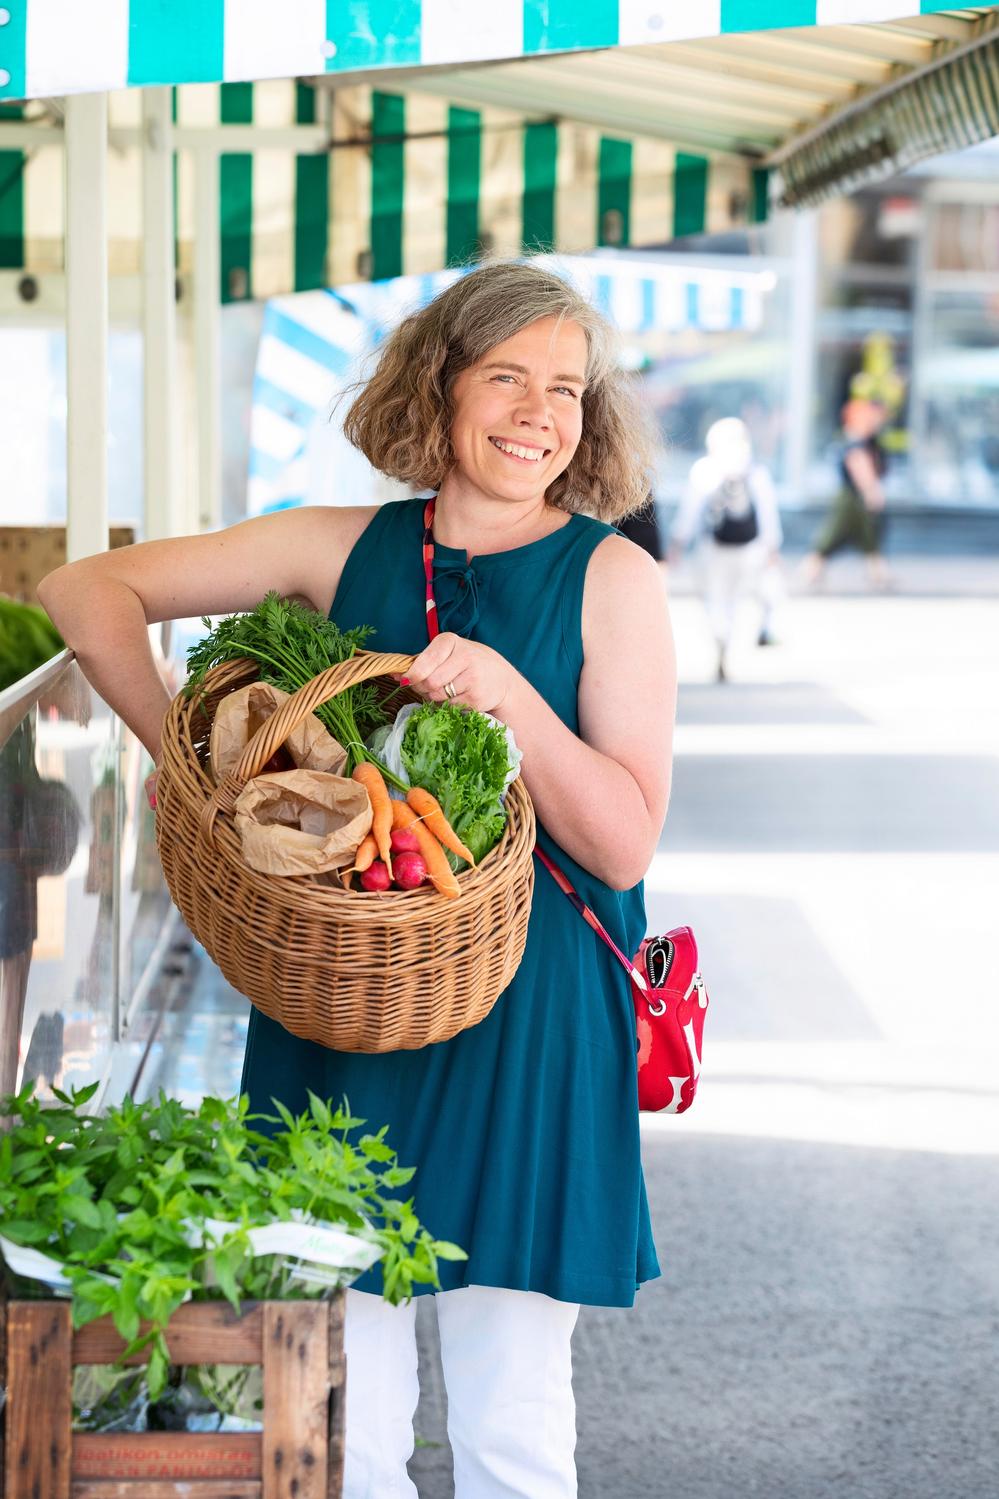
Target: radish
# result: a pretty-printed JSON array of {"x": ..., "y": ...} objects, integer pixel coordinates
[
  {"x": 376, "y": 877},
  {"x": 405, "y": 841},
  {"x": 409, "y": 869}
]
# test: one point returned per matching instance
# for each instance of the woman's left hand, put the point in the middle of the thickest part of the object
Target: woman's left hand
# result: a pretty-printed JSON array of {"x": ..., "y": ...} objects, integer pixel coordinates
[{"x": 478, "y": 676}]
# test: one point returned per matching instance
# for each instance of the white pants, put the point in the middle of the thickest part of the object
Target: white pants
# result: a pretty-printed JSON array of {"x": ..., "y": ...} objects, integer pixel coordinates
[
  {"x": 732, "y": 573},
  {"x": 508, "y": 1373}
]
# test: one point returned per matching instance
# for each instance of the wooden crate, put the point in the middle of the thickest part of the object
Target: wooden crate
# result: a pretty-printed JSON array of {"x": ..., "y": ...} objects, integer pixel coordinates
[{"x": 297, "y": 1455}]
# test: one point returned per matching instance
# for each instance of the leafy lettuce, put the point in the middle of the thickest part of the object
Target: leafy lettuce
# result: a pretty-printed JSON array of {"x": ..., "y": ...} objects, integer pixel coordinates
[{"x": 462, "y": 758}]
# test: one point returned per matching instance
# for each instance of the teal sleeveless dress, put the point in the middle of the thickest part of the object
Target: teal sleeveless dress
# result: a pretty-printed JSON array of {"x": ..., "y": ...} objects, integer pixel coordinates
[{"x": 523, "y": 1129}]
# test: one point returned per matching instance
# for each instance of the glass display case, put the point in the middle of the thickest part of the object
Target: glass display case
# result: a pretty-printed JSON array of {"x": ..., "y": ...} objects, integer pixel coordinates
[{"x": 84, "y": 912}]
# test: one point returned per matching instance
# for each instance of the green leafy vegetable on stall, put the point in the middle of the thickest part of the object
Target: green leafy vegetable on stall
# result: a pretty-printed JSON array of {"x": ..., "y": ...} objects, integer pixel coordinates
[{"x": 28, "y": 639}]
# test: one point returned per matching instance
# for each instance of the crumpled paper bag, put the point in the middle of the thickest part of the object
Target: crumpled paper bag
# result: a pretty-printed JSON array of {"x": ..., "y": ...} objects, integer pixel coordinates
[
  {"x": 301, "y": 821},
  {"x": 238, "y": 717}
]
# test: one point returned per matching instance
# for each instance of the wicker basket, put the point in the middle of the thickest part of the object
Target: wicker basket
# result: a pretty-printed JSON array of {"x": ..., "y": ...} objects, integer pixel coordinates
[{"x": 349, "y": 969}]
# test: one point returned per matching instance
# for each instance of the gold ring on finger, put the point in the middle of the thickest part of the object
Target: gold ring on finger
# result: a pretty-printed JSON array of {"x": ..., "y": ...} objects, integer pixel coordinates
[{"x": 449, "y": 690}]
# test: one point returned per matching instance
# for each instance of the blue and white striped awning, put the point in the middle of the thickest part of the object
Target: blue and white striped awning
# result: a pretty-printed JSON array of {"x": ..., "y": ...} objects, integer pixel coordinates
[
  {"x": 52, "y": 47},
  {"x": 314, "y": 344}
]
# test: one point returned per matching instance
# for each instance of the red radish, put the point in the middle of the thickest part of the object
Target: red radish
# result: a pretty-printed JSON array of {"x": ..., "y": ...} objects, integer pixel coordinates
[
  {"x": 376, "y": 876},
  {"x": 409, "y": 869},
  {"x": 405, "y": 841},
  {"x": 280, "y": 761}
]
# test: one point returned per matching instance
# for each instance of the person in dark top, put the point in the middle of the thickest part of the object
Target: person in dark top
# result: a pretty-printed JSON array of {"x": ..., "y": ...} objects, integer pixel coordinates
[
  {"x": 642, "y": 527},
  {"x": 857, "y": 516}
]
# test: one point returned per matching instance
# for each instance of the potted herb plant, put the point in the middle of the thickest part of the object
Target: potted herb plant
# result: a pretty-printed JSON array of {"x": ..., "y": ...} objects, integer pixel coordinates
[{"x": 124, "y": 1234}]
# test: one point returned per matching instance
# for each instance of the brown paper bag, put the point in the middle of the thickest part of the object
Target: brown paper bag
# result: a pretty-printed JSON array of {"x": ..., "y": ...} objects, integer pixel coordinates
[
  {"x": 301, "y": 821},
  {"x": 239, "y": 716}
]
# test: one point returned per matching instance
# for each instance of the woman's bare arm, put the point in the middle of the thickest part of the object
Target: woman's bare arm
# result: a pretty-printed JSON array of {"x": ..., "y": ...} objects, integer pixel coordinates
[
  {"x": 603, "y": 793},
  {"x": 102, "y": 605}
]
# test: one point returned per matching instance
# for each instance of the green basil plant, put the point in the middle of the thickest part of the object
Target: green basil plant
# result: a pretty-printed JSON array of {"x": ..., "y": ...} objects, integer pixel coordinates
[{"x": 144, "y": 1206}]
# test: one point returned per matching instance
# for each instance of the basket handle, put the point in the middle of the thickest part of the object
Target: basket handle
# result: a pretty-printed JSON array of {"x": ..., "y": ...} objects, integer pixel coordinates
[{"x": 274, "y": 731}]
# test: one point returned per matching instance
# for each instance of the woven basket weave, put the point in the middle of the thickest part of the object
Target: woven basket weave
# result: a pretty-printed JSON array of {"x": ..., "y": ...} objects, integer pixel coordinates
[{"x": 350, "y": 969}]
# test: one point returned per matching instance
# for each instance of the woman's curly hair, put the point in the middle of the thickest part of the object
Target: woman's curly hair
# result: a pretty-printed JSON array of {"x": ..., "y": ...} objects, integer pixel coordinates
[{"x": 401, "y": 417}]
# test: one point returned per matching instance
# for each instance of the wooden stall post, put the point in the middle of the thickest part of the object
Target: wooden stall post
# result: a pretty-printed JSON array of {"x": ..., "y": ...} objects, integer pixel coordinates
[
  {"x": 338, "y": 1399},
  {"x": 39, "y": 1408},
  {"x": 296, "y": 1400}
]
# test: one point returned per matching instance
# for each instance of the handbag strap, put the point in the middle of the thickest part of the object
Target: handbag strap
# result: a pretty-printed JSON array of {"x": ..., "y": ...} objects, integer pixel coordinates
[{"x": 561, "y": 879}]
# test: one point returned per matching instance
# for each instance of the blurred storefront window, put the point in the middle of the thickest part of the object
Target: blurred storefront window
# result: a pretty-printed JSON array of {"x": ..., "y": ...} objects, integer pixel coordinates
[
  {"x": 910, "y": 314},
  {"x": 964, "y": 237},
  {"x": 694, "y": 376},
  {"x": 876, "y": 228},
  {"x": 957, "y": 403},
  {"x": 959, "y": 397}
]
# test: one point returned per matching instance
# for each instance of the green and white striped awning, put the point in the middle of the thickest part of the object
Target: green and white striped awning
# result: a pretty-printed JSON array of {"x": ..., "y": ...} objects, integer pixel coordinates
[
  {"x": 409, "y": 185},
  {"x": 50, "y": 47},
  {"x": 406, "y": 170}
]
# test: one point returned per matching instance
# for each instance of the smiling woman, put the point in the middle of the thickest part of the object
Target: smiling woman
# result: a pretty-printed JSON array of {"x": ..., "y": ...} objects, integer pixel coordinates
[
  {"x": 504, "y": 396},
  {"x": 517, "y": 425},
  {"x": 517, "y": 329}
]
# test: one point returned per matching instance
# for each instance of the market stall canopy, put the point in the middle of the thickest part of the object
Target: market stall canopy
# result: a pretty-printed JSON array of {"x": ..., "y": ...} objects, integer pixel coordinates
[
  {"x": 407, "y": 169},
  {"x": 832, "y": 105},
  {"x": 50, "y": 47}
]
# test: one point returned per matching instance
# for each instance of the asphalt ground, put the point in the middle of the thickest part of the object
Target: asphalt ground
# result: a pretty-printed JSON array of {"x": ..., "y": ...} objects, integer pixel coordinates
[{"x": 827, "y": 1215}]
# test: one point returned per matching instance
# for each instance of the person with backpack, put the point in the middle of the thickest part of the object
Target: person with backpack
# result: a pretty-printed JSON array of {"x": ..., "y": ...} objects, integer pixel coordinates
[{"x": 730, "y": 507}]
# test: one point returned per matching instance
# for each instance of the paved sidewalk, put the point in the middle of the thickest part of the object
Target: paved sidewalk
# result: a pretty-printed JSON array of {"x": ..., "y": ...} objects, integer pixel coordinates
[
  {"x": 825, "y": 1329},
  {"x": 913, "y": 574},
  {"x": 827, "y": 1325}
]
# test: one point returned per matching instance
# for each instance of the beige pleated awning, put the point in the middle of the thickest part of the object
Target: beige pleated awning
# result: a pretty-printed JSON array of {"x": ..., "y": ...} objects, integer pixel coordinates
[{"x": 756, "y": 95}]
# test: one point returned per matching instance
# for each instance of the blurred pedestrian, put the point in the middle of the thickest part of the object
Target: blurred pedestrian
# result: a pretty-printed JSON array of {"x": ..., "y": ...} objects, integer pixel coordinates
[
  {"x": 857, "y": 516},
  {"x": 642, "y": 527},
  {"x": 730, "y": 507}
]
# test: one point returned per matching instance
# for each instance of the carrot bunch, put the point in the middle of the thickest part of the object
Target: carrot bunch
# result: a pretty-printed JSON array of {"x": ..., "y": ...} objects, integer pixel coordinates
[{"x": 419, "y": 816}]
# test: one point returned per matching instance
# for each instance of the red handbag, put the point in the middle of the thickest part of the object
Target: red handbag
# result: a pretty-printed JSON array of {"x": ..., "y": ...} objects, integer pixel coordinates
[
  {"x": 667, "y": 989},
  {"x": 670, "y": 1005}
]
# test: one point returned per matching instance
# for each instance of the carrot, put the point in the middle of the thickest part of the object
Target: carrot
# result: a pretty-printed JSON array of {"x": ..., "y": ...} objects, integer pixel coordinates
[
  {"x": 403, "y": 815},
  {"x": 367, "y": 853},
  {"x": 370, "y": 777},
  {"x": 429, "y": 808},
  {"x": 439, "y": 871}
]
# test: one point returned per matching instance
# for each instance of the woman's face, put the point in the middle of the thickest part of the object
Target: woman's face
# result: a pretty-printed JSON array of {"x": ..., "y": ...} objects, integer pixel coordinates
[{"x": 518, "y": 412}]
